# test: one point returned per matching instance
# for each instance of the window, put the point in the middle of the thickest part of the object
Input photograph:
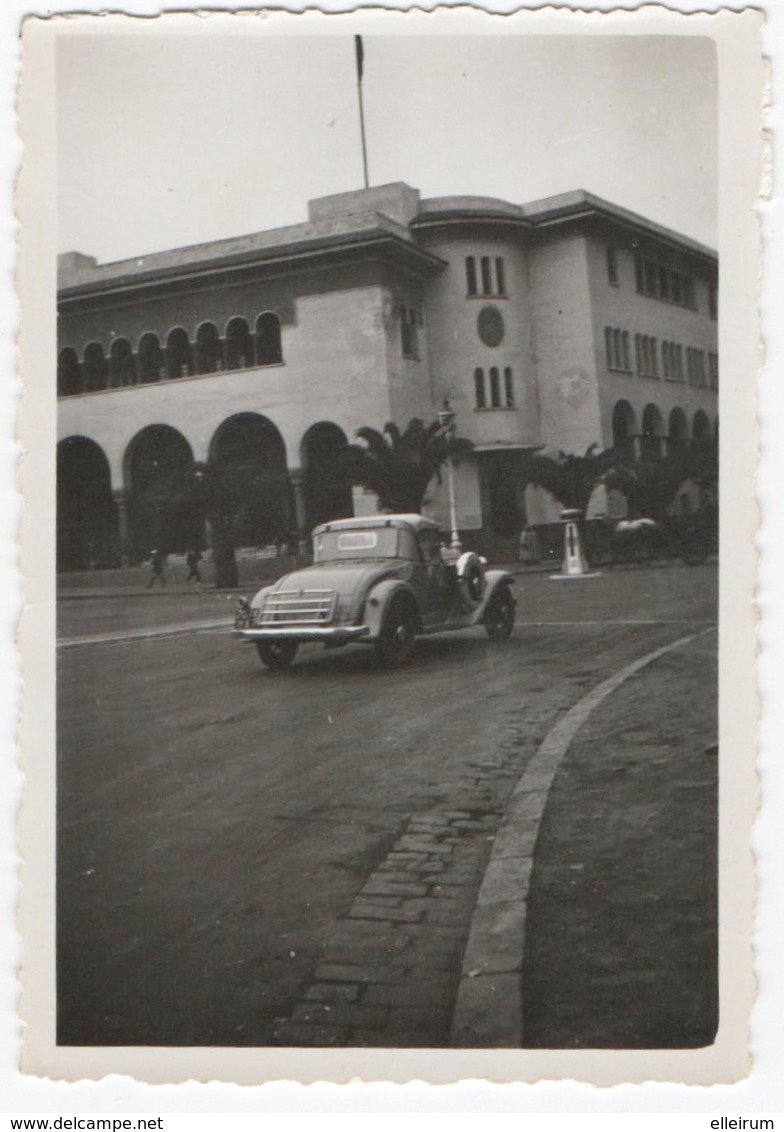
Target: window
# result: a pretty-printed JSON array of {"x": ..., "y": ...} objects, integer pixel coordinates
[
  {"x": 151, "y": 365},
  {"x": 470, "y": 264},
  {"x": 179, "y": 361},
  {"x": 645, "y": 350},
  {"x": 485, "y": 276},
  {"x": 713, "y": 301},
  {"x": 487, "y": 282},
  {"x": 695, "y": 367},
  {"x": 612, "y": 267},
  {"x": 268, "y": 345},
  {"x": 508, "y": 388},
  {"x": 209, "y": 349},
  {"x": 69, "y": 373},
  {"x": 239, "y": 345},
  {"x": 122, "y": 364},
  {"x": 479, "y": 389},
  {"x": 495, "y": 388},
  {"x": 408, "y": 333},
  {"x": 713, "y": 371},
  {"x": 672, "y": 361},
  {"x": 616, "y": 346},
  {"x": 662, "y": 283}
]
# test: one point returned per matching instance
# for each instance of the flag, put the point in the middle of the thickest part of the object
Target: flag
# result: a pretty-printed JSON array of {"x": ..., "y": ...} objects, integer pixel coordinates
[{"x": 360, "y": 56}]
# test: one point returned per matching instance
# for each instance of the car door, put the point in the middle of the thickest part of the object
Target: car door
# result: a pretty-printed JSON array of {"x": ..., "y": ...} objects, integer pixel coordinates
[{"x": 437, "y": 584}]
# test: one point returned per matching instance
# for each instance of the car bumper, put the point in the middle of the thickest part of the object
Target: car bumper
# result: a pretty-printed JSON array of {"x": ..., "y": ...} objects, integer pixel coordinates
[{"x": 339, "y": 634}]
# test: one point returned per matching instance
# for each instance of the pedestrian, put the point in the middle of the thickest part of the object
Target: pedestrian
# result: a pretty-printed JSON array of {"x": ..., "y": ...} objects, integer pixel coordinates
[
  {"x": 192, "y": 560},
  {"x": 157, "y": 562}
]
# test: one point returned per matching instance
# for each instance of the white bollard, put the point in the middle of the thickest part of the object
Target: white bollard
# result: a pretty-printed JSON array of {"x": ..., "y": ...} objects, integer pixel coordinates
[{"x": 575, "y": 564}]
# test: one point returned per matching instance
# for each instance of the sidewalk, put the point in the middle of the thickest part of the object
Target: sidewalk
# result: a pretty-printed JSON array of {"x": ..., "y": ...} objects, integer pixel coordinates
[{"x": 622, "y": 939}]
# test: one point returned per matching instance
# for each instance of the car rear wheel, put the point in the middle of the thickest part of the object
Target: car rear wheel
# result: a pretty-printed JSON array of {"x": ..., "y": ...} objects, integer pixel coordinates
[
  {"x": 500, "y": 615},
  {"x": 396, "y": 641},
  {"x": 276, "y": 654}
]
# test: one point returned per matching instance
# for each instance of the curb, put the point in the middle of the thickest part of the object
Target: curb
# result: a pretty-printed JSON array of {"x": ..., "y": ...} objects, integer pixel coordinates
[{"x": 489, "y": 1010}]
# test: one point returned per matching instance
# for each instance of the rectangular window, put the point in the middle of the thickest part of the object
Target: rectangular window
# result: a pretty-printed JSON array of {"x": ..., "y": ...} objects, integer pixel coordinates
[
  {"x": 713, "y": 302},
  {"x": 612, "y": 267},
  {"x": 713, "y": 371},
  {"x": 479, "y": 389},
  {"x": 508, "y": 388},
  {"x": 500, "y": 276},
  {"x": 487, "y": 282},
  {"x": 471, "y": 275},
  {"x": 408, "y": 333},
  {"x": 495, "y": 389},
  {"x": 358, "y": 540}
]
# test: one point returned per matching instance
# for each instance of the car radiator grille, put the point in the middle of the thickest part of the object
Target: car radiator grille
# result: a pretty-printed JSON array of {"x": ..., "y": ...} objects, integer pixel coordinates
[{"x": 298, "y": 607}]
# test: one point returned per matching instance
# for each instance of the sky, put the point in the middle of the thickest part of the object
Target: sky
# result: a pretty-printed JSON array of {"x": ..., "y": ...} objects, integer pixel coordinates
[{"x": 169, "y": 140}]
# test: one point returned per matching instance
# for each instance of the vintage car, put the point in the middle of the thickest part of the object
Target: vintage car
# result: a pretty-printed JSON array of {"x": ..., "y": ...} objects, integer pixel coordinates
[{"x": 381, "y": 580}]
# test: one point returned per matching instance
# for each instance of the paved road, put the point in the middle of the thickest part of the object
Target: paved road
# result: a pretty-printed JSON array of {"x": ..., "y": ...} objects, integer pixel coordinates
[{"x": 229, "y": 837}]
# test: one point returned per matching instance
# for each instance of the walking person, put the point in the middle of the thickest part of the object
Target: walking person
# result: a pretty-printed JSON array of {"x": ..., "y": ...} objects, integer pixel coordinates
[
  {"x": 157, "y": 563},
  {"x": 192, "y": 560}
]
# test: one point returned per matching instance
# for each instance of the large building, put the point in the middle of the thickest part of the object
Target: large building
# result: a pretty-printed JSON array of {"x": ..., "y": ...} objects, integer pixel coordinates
[{"x": 557, "y": 324}]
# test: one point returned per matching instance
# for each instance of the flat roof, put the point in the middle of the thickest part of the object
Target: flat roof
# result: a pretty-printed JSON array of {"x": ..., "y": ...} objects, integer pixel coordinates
[{"x": 415, "y": 522}]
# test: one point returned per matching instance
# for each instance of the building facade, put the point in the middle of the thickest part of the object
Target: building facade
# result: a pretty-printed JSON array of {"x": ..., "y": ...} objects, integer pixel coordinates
[{"x": 557, "y": 324}]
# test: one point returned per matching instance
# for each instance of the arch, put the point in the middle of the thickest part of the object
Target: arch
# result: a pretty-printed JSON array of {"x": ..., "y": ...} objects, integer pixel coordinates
[
  {"x": 69, "y": 373},
  {"x": 122, "y": 364},
  {"x": 239, "y": 345},
  {"x": 700, "y": 428},
  {"x": 95, "y": 368},
  {"x": 269, "y": 351},
  {"x": 248, "y": 458},
  {"x": 150, "y": 359},
  {"x": 651, "y": 433},
  {"x": 179, "y": 354},
  {"x": 624, "y": 429},
  {"x": 327, "y": 491},
  {"x": 678, "y": 431},
  {"x": 209, "y": 349},
  {"x": 88, "y": 534},
  {"x": 162, "y": 509}
]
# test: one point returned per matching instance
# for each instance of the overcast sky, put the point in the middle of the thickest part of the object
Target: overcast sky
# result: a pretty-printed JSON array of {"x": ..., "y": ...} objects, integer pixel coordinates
[{"x": 165, "y": 141}]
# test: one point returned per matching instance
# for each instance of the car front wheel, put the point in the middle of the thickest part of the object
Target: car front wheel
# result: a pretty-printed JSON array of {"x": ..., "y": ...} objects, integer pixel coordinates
[
  {"x": 500, "y": 615},
  {"x": 276, "y": 654},
  {"x": 396, "y": 641}
]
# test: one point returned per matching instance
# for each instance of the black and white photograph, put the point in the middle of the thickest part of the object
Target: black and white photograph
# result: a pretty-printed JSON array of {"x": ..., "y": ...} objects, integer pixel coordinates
[{"x": 387, "y": 544}]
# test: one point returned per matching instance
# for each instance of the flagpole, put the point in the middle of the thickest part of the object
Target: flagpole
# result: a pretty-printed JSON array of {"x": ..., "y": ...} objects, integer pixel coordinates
[{"x": 360, "y": 61}]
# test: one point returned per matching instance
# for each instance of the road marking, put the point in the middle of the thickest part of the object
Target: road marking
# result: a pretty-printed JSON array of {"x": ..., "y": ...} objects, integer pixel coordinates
[
  {"x": 144, "y": 634},
  {"x": 489, "y": 1006},
  {"x": 163, "y": 631}
]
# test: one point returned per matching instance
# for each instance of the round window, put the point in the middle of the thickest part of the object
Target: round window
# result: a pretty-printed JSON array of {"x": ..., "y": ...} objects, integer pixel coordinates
[{"x": 490, "y": 326}]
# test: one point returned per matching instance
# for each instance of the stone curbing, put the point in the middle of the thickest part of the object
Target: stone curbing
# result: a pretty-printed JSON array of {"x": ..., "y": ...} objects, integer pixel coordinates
[{"x": 489, "y": 1010}]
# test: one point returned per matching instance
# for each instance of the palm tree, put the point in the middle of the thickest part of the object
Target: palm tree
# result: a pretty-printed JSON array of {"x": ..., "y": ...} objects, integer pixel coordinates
[
  {"x": 572, "y": 479},
  {"x": 399, "y": 466}
]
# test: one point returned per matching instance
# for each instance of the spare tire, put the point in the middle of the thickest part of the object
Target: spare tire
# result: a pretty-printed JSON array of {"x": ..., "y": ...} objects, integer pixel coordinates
[{"x": 470, "y": 580}]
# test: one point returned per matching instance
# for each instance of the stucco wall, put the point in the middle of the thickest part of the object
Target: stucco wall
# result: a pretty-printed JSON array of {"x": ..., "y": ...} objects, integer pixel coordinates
[
  {"x": 622, "y": 307},
  {"x": 456, "y": 349},
  {"x": 564, "y": 343},
  {"x": 334, "y": 370}
]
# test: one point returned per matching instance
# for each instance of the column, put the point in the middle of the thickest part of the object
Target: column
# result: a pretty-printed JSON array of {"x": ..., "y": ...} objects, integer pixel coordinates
[
  {"x": 297, "y": 481},
  {"x": 122, "y": 499}
]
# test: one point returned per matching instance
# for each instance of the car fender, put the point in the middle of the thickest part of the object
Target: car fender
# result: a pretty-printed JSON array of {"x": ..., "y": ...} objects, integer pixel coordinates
[
  {"x": 494, "y": 579},
  {"x": 379, "y": 600}
]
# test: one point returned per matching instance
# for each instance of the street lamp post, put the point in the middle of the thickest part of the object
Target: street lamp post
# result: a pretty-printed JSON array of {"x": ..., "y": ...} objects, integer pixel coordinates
[{"x": 446, "y": 418}]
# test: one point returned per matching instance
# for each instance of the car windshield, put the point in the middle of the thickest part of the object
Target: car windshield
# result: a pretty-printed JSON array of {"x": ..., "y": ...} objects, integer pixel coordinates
[{"x": 375, "y": 542}]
